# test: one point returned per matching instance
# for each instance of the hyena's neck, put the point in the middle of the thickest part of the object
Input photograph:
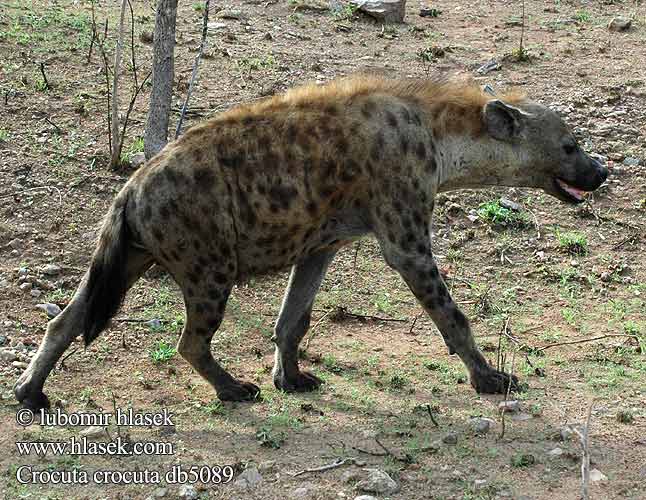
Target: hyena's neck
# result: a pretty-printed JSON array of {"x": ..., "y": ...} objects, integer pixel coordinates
[{"x": 466, "y": 163}]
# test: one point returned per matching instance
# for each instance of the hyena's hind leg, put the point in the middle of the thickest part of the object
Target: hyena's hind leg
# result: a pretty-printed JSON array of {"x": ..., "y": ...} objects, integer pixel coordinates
[
  {"x": 204, "y": 313},
  {"x": 294, "y": 320},
  {"x": 62, "y": 330}
]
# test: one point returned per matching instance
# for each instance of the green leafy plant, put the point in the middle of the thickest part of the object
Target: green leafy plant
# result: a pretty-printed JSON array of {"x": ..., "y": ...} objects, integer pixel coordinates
[
  {"x": 494, "y": 213},
  {"x": 573, "y": 243},
  {"x": 162, "y": 352}
]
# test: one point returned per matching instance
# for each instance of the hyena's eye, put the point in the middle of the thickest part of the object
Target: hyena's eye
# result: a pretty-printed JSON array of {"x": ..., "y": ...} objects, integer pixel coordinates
[{"x": 569, "y": 149}]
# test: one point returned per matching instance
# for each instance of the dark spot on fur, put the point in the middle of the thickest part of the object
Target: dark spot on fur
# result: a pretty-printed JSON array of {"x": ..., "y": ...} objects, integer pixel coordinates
[
  {"x": 431, "y": 166},
  {"x": 233, "y": 161},
  {"x": 391, "y": 119},
  {"x": 368, "y": 109},
  {"x": 159, "y": 236},
  {"x": 403, "y": 143},
  {"x": 311, "y": 208},
  {"x": 283, "y": 195},
  {"x": 405, "y": 115},
  {"x": 420, "y": 150}
]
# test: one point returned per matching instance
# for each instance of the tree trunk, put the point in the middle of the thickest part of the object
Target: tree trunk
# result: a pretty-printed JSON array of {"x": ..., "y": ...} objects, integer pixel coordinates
[
  {"x": 115, "y": 154},
  {"x": 156, "y": 134}
]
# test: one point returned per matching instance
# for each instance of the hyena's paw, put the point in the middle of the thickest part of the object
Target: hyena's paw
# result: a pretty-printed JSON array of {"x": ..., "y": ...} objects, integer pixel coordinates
[
  {"x": 239, "y": 391},
  {"x": 492, "y": 381},
  {"x": 303, "y": 382},
  {"x": 31, "y": 399}
]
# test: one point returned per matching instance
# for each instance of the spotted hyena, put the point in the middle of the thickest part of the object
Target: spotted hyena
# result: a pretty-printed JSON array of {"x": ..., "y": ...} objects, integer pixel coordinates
[{"x": 287, "y": 182}]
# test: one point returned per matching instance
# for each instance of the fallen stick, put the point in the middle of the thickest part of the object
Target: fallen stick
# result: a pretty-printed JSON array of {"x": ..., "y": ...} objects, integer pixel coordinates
[{"x": 337, "y": 463}]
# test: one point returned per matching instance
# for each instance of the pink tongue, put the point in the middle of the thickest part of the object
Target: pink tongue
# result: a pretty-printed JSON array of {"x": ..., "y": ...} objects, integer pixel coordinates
[{"x": 576, "y": 193}]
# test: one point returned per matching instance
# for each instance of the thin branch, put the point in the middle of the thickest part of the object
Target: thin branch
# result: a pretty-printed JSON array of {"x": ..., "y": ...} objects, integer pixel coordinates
[
  {"x": 430, "y": 414},
  {"x": 600, "y": 337},
  {"x": 42, "y": 72},
  {"x": 584, "y": 437},
  {"x": 313, "y": 329},
  {"x": 205, "y": 31},
  {"x": 132, "y": 45},
  {"x": 337, "y": 463}
]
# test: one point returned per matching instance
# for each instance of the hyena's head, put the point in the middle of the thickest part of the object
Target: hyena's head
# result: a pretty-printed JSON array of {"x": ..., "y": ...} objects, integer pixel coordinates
[{"x": 543, "y": 152}]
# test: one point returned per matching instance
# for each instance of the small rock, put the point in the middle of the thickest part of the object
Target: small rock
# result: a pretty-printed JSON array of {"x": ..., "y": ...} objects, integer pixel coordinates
[
  {"x": 481, "y": 425},
  {"x": 511, "y": 205},
  {"x": 160, "y": 492},
  {"x": 479, "y": 483},
  {"x": 25, "y": 287},
  {"x": 231, "y": 14},
  {"x": 521, "y": 417},
  {"x": 605, "y": 277},
  {"x": 305, "y": 492},
  {"x": 248, "y": 478},
  {"x": 378, "y": 482},
  {"x": 365, "y": 497},
  {"x": 509, "y": 406},
  {"x": 137, "y": 160},
  {"x": 597, "y": 475},
  {"x": 629, "y": 161},
  {"x": 619, "y": 24},
  {"x": 556, "y": 452},
  {"x": 51, "y": 270},
  {"x": 35, "y": 293},
  {"x": 450, "y": 438},
  {"x": 387, "y": 11},
  {"x": 23, "y": 271},
  {"x": 95, "y": 431},
  {"x": 7, "y": 356},
  {"x": 3, "y": 339},
  {"x": 488, "y": 67},
  {"x": 52, "y": 310},
  {"x": 188, "y": 492},
  {"x": 154, "y": 324},
  {"x": 216, "y": 26},
  {"x": 19, "y": 364}
]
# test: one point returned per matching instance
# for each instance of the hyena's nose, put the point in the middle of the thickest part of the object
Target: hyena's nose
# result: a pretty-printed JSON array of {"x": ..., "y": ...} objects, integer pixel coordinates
[{"x": 602, "y": 171}]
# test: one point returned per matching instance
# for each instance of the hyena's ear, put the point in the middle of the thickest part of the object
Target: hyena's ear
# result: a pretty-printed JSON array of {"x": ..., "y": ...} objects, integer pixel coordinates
[{"x": 503, "y": 122}]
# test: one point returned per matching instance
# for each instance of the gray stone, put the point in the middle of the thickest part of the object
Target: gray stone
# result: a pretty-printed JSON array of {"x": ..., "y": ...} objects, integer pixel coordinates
[
  {"x": 231, "y": 14},
  {"x": 365, "y": 497},
  {"x": 619, "y": 24},
  {"x": 597, "y": 475},
  {"x": 25, "y": 287},
  {"x": 450, "y": 438},
  {"x": 481, "y": 425},
  {"x": 7, "y": 356},
  {"x": 52, "y": 310},
  {"x": 387, "y": 11},
  {"x": 188, "y": 492},
  {"x": 556, "y": 452},
  {"x": 248, "y": 478},
  {"x": 511, "y": 205},
  {"x": 160, "y": 492},
  {"x": 23, "y": 271},
  {"x": 35, "y": 293},
  {"x": 137, "y": 160},
  {"x": 92, "y": 432},
  {"x": 631, "y": 162},
  {"x": 3, "y": 339},
  {"x": 509, "y": 406},
  {"x": 19, "y": 364},
  {"x": 51, "y": 270},
  {"x": 377, "y": 482},
  {"x": 154, "y": 324},
  {"x": 305, "y": 492}
]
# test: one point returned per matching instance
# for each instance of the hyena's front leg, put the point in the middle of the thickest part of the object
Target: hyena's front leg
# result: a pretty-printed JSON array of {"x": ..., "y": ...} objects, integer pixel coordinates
[
  {"x": 294, "y": 320},
  {"x": 420, "y": 273}
]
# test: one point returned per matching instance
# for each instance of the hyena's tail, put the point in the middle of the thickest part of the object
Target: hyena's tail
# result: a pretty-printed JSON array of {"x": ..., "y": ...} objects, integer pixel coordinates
[{"x": 107, "y": 281}]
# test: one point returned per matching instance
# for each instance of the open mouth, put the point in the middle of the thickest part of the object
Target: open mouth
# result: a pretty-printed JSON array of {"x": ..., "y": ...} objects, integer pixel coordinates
[{"x": 569, "y": 192}]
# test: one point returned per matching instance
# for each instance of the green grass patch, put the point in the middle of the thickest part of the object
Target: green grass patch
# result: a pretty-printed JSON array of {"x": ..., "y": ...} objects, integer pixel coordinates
[{"x": 492, "y": 212}]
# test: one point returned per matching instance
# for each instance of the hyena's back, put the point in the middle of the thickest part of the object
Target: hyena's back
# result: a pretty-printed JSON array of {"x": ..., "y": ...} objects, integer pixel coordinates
[{"x": 250, "y": 193}]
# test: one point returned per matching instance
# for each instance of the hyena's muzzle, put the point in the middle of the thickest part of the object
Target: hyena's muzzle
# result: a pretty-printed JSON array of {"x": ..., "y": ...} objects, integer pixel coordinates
[{"x": 585, "y": 175}]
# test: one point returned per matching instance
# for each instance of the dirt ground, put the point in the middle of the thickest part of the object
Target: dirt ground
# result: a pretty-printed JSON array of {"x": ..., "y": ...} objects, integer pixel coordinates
[{"x": 393, "y": 399}]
